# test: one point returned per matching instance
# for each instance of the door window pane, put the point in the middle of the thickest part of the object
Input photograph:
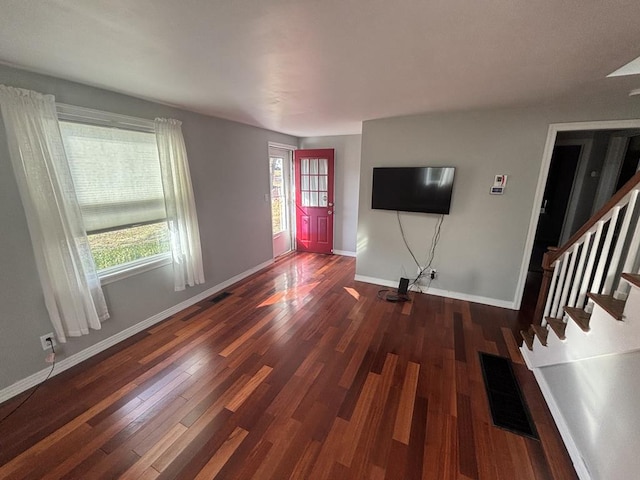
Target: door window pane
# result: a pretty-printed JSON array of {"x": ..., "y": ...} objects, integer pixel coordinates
[
  {"x": 322, "y": 183},
  {"x": 304, "y": 166},
  {"x": 324, "y": 169},
  {"x": 313, "y": 183},
  {"x": 313, "y": 165}
]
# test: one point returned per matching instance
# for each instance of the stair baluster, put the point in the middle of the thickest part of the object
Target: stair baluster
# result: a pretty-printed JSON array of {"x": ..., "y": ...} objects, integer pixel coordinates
[
  {"x": 549, "y": 302},
  {"x": 561, "y": 279},
  {"x": 612, "y": 272},
  {"x": 596, "y": 286},
  {"x": 570, "y": 279},
  {"x": 584, "y": 287},
  {"x": 580, "y": 270}
]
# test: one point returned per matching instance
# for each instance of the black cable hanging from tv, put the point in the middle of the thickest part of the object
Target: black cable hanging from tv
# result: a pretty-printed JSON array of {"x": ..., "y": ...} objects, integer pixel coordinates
[{"x": 432, "y": 250}]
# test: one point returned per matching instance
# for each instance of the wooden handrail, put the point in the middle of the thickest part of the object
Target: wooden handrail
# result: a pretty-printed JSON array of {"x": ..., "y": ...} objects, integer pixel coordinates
[{"x": 619, "y": 195}]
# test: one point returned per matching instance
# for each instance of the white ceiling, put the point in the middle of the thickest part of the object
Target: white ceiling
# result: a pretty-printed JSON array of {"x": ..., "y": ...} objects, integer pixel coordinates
[{"x": 321, "y": 67}]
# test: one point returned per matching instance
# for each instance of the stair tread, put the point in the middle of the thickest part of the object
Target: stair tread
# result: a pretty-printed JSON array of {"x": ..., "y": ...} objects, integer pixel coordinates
[
  {"x": 542, "y": 333},
  {"x": 579, "y": 316},
  {"x": 527, "y": 336},
  {"x": 558, "y": 326},
  {"x": 612, "y": 306},
  {"x": 632, "y": 278}
]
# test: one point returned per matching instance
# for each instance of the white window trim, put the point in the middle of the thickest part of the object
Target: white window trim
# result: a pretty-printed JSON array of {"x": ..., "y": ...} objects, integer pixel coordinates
[
  {"x": 72, "y": 113},
  {"x": 282, "y": 146},
  {"x": 119, "y": 272}
]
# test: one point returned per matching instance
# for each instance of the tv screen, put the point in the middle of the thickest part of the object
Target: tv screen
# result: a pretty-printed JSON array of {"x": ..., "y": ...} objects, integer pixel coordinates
[{"x": 413, "y": 189}]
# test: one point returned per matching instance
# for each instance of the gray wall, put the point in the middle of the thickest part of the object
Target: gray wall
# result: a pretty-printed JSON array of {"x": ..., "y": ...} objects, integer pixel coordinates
[
  {"x": 598, "y": 399},
  {"x": 229, "y": 167},
  {"x": 347, "y": 183},
  {"x": 482, "y": 244}
]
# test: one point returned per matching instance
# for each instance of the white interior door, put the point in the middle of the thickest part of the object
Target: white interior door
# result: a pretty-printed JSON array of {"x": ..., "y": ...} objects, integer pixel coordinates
[{"x": 280, "y": 183}]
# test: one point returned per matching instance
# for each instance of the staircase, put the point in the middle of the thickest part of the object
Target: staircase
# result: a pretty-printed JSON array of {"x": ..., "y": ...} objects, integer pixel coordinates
[
  {"x": 589, "y": 304},
  {"x": 584, "y": 344}
]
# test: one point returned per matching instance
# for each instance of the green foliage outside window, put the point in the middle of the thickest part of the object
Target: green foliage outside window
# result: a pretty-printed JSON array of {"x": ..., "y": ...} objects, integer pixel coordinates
[{"x": 127, "y": 245}]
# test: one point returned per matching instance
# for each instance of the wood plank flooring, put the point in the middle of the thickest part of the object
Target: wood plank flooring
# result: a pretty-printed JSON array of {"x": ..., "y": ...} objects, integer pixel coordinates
[{"x": 300, "y": 373}]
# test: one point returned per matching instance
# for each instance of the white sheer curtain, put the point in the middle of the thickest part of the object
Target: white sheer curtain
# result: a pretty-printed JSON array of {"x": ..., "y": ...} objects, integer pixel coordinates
[
  {"x": 71, "y": 287},
  {"x": 180, "y": 204}
]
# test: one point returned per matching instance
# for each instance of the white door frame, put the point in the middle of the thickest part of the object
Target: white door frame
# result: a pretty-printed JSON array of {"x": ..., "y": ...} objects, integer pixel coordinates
[
  {"x": 554, "y": 128},
  {"x": 290, "y": 193}
]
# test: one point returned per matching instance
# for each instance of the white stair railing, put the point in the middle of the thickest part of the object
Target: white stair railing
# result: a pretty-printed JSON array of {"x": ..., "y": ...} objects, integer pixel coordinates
[{"x": 591, "y": 261}]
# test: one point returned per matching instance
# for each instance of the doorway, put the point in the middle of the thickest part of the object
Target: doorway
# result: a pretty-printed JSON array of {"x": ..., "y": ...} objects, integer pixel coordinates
[
  {"x": 314, "y": 200},
  {"x": 280, "y": 178},
  {"x": 561, "y": 178}
]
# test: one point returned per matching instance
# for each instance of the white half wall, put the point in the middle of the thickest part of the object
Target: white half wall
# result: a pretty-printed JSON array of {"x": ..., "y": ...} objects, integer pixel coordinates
[{"x": 598, "y": 402}]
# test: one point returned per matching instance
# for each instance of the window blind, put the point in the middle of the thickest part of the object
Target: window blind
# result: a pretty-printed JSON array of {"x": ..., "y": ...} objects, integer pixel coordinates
[{"x": 116, "y": 174}]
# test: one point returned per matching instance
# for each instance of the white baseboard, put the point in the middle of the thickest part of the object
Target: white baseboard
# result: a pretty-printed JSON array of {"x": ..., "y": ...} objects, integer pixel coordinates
[
  {"x": 32, "y": 380},
  {"x": 494, "y": 302},
  {"x": 345, "y": 253},
  {"x": 563, "y": 428}
]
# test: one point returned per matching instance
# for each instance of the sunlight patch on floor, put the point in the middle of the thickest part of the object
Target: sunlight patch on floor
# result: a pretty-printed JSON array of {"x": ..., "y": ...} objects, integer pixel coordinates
[
  {"x": 352, "y": 292},
  {"x": 289, "y": 294}
]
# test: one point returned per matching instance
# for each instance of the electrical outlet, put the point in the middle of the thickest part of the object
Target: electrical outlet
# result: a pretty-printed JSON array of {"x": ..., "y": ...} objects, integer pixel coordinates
[
  {"x": 433, "y": 273},
  {"x": 45, "y": 344}
]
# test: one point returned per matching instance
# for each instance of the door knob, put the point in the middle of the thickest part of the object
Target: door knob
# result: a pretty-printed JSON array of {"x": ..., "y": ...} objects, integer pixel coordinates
[{"x": 329, "y": 212}]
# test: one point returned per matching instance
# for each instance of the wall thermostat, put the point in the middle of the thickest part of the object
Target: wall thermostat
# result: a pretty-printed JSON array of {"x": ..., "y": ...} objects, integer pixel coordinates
[{"x": 499, "y": 184}]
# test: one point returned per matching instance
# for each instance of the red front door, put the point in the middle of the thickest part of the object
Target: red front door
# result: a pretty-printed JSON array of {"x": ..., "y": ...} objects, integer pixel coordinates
[{"x": 314, "y": 200}]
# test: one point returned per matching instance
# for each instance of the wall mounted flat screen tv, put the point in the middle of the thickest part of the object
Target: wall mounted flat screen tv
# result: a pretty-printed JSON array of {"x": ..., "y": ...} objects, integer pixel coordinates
[{"x": 413, "y": 189}]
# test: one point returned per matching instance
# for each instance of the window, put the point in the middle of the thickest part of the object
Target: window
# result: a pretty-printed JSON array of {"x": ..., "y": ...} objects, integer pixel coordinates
[
  {"x": 314, "y": 174},
  {"x": 116, "y": 173},
  {"x": 278, "y": 197}
]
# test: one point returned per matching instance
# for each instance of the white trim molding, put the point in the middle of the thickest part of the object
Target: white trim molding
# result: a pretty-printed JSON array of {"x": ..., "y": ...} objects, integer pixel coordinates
[
  {"x": 344, "y": 253},
  {"x": 283, "y": 146},
  {"x": 66, "y": 363},
  {"x": 113, "y": 274},
  {"x": 494, "y": 302},
  {"x": 74, "y": 113}
]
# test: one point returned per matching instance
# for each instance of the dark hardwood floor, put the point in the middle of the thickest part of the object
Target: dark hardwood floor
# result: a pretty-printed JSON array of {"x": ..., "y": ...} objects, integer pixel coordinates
[{"x": 300, "y": 373}]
